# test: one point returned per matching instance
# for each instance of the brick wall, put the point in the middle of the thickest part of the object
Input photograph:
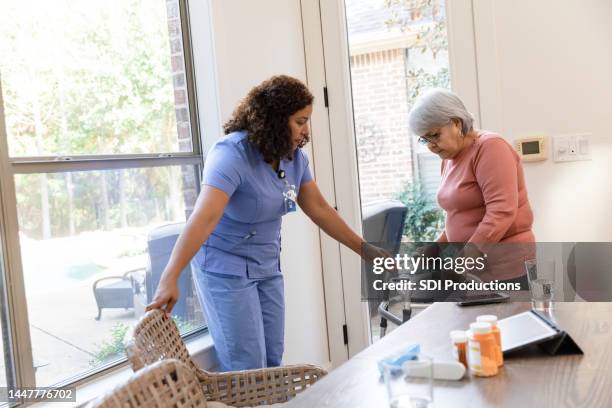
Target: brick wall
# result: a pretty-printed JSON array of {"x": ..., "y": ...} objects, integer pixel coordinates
[
  {"x": 381, "y": 122},
  {"x": 181, "y": 103}
]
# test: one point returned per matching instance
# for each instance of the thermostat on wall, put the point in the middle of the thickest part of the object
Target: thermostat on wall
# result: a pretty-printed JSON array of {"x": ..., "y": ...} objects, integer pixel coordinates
[{"x": 531, "y": 148}]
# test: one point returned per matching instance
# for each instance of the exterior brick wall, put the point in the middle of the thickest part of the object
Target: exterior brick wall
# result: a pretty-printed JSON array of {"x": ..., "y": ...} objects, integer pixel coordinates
[
  {"x": 380, "y": 103},
  {"x": 181, "y": 102}
]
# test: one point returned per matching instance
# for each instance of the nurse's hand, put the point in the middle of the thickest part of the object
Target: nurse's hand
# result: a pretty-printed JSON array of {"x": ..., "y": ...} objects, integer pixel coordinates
[
  {"x": 369, "y": 252},
  {"x": 166, "y": 296}
]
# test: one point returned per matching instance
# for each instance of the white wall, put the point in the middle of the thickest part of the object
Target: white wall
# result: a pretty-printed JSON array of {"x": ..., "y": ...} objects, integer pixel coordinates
[
  {"x": 253, "y": 40},
  {"x": 545, "y": 67}
]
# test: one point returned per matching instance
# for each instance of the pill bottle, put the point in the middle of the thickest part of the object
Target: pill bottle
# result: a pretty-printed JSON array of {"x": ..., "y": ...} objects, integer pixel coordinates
[
  {"x": 482, "y": 350},
  {"x": 459, "y": 340},
  {"x": 492, "y": 319}
]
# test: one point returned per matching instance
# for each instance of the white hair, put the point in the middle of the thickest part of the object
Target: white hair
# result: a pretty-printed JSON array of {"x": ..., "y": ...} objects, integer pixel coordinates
[{"x": 435, "y": 109}]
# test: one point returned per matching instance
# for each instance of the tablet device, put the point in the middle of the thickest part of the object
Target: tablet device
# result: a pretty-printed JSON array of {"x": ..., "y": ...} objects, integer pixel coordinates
[
  {"x": 524, "y": 329},
  {"x": 474, "y": 299}
]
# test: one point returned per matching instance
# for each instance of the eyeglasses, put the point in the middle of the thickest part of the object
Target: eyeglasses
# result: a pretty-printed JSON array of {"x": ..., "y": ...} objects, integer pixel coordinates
[{"x": 434, "y": 138}]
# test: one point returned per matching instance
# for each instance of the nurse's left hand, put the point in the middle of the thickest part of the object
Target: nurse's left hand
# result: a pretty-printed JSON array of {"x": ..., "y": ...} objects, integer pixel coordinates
[{"x": 369, "y": 252}]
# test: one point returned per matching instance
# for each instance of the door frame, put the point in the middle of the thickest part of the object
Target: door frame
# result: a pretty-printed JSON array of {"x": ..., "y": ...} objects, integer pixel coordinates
[{"x": 323, "y": 164}]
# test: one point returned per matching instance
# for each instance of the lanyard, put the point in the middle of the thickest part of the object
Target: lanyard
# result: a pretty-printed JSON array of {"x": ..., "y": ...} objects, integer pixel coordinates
[{"x": 289, "y": 194}]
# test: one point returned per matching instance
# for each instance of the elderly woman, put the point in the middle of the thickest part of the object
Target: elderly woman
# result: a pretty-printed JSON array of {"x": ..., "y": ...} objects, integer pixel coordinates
[{"x": 482, "y": 190}]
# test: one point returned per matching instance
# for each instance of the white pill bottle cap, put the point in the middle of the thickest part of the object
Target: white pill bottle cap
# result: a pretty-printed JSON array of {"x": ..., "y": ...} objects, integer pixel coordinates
[
  {"x": 480, "y": 328},
  {"x": 458, "y": 336},
  {"x": 492, "y": 319}
]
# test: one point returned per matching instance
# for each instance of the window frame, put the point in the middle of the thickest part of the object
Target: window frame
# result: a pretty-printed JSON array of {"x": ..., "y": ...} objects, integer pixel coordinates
[{"x": 20, "y": 348}]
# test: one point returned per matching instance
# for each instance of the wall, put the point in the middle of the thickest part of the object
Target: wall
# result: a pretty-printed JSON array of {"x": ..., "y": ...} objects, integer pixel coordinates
[
  {"x": 552, "y": 76},
  {"x": 251, "y": 42}
]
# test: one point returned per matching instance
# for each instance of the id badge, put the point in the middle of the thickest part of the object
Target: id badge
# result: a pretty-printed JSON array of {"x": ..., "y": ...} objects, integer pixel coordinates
[{"x": 290, "y": 198}]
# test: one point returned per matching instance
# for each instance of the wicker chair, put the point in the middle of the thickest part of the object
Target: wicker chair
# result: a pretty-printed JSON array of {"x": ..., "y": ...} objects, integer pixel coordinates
[
  {"x": 156, "y": 337},
  {"x": 167, "y": 383}
]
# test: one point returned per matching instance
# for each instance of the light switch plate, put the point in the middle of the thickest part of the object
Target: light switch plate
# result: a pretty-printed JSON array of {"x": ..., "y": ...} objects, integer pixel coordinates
[{"x": 568, "y": 148}]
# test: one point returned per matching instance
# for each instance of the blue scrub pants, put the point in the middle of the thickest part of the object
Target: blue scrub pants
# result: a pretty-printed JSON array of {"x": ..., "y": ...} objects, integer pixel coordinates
[{"x": 246, "y": 318}]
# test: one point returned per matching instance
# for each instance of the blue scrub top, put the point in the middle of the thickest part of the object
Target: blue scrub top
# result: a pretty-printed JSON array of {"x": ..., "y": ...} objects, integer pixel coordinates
[{"x": 246, "y": 241}]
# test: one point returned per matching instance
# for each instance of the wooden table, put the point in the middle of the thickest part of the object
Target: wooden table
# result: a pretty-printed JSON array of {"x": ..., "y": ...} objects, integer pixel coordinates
[{"x": 528, "y": 378}]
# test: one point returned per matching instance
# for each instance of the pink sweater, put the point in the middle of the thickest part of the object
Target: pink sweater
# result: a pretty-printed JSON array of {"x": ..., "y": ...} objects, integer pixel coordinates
[{"x": 484, "y": 195}]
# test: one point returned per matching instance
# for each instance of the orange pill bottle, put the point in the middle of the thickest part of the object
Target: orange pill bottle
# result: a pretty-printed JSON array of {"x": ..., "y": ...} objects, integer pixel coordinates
[
  {"x": 482, "y": 350},
  {"x": 492, "y": 319},
  {"x": 460, "y": 340}
]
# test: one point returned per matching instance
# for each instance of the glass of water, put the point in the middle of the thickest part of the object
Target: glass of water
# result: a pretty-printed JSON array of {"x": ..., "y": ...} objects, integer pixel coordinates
[
  {"x": 411, "y": 385},
  {"x": 541, "y": 277}
]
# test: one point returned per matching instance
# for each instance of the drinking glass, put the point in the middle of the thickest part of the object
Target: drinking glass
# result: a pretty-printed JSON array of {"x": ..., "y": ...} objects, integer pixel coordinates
[
  {"x": 541, "y": 278},
  {"x": 411, "y": 385}
]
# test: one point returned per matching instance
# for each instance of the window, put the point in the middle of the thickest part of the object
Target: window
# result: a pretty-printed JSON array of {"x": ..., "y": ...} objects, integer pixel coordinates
[
  {"x": 101, "y": 138},
  {"x": 7, "y": 374},
  {"x": 398, "y": 49}
]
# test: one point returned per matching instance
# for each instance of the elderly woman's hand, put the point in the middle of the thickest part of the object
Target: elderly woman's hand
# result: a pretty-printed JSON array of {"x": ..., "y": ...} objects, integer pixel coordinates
[{"x": 472, "y": 252}]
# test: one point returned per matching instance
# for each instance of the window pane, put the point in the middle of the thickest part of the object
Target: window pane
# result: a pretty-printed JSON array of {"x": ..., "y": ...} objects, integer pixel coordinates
[
  {"x": 7, "y": 374},
  {"x": 77, "y": 229},
  {"x": 93, "y": 77},
  {"x": 398, "y": 49}
]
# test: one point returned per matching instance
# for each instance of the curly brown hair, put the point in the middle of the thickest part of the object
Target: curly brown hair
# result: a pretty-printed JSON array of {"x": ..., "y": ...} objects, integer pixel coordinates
[{"x": 264, "y": 113}]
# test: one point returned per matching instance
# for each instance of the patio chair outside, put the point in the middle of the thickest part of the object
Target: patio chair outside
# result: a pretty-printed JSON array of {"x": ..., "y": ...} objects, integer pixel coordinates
[{"x": 118, "y": 294}]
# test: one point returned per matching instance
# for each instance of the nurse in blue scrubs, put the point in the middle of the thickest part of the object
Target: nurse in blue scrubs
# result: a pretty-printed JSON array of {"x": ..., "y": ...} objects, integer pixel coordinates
[{"x": 253, "y": 176}]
